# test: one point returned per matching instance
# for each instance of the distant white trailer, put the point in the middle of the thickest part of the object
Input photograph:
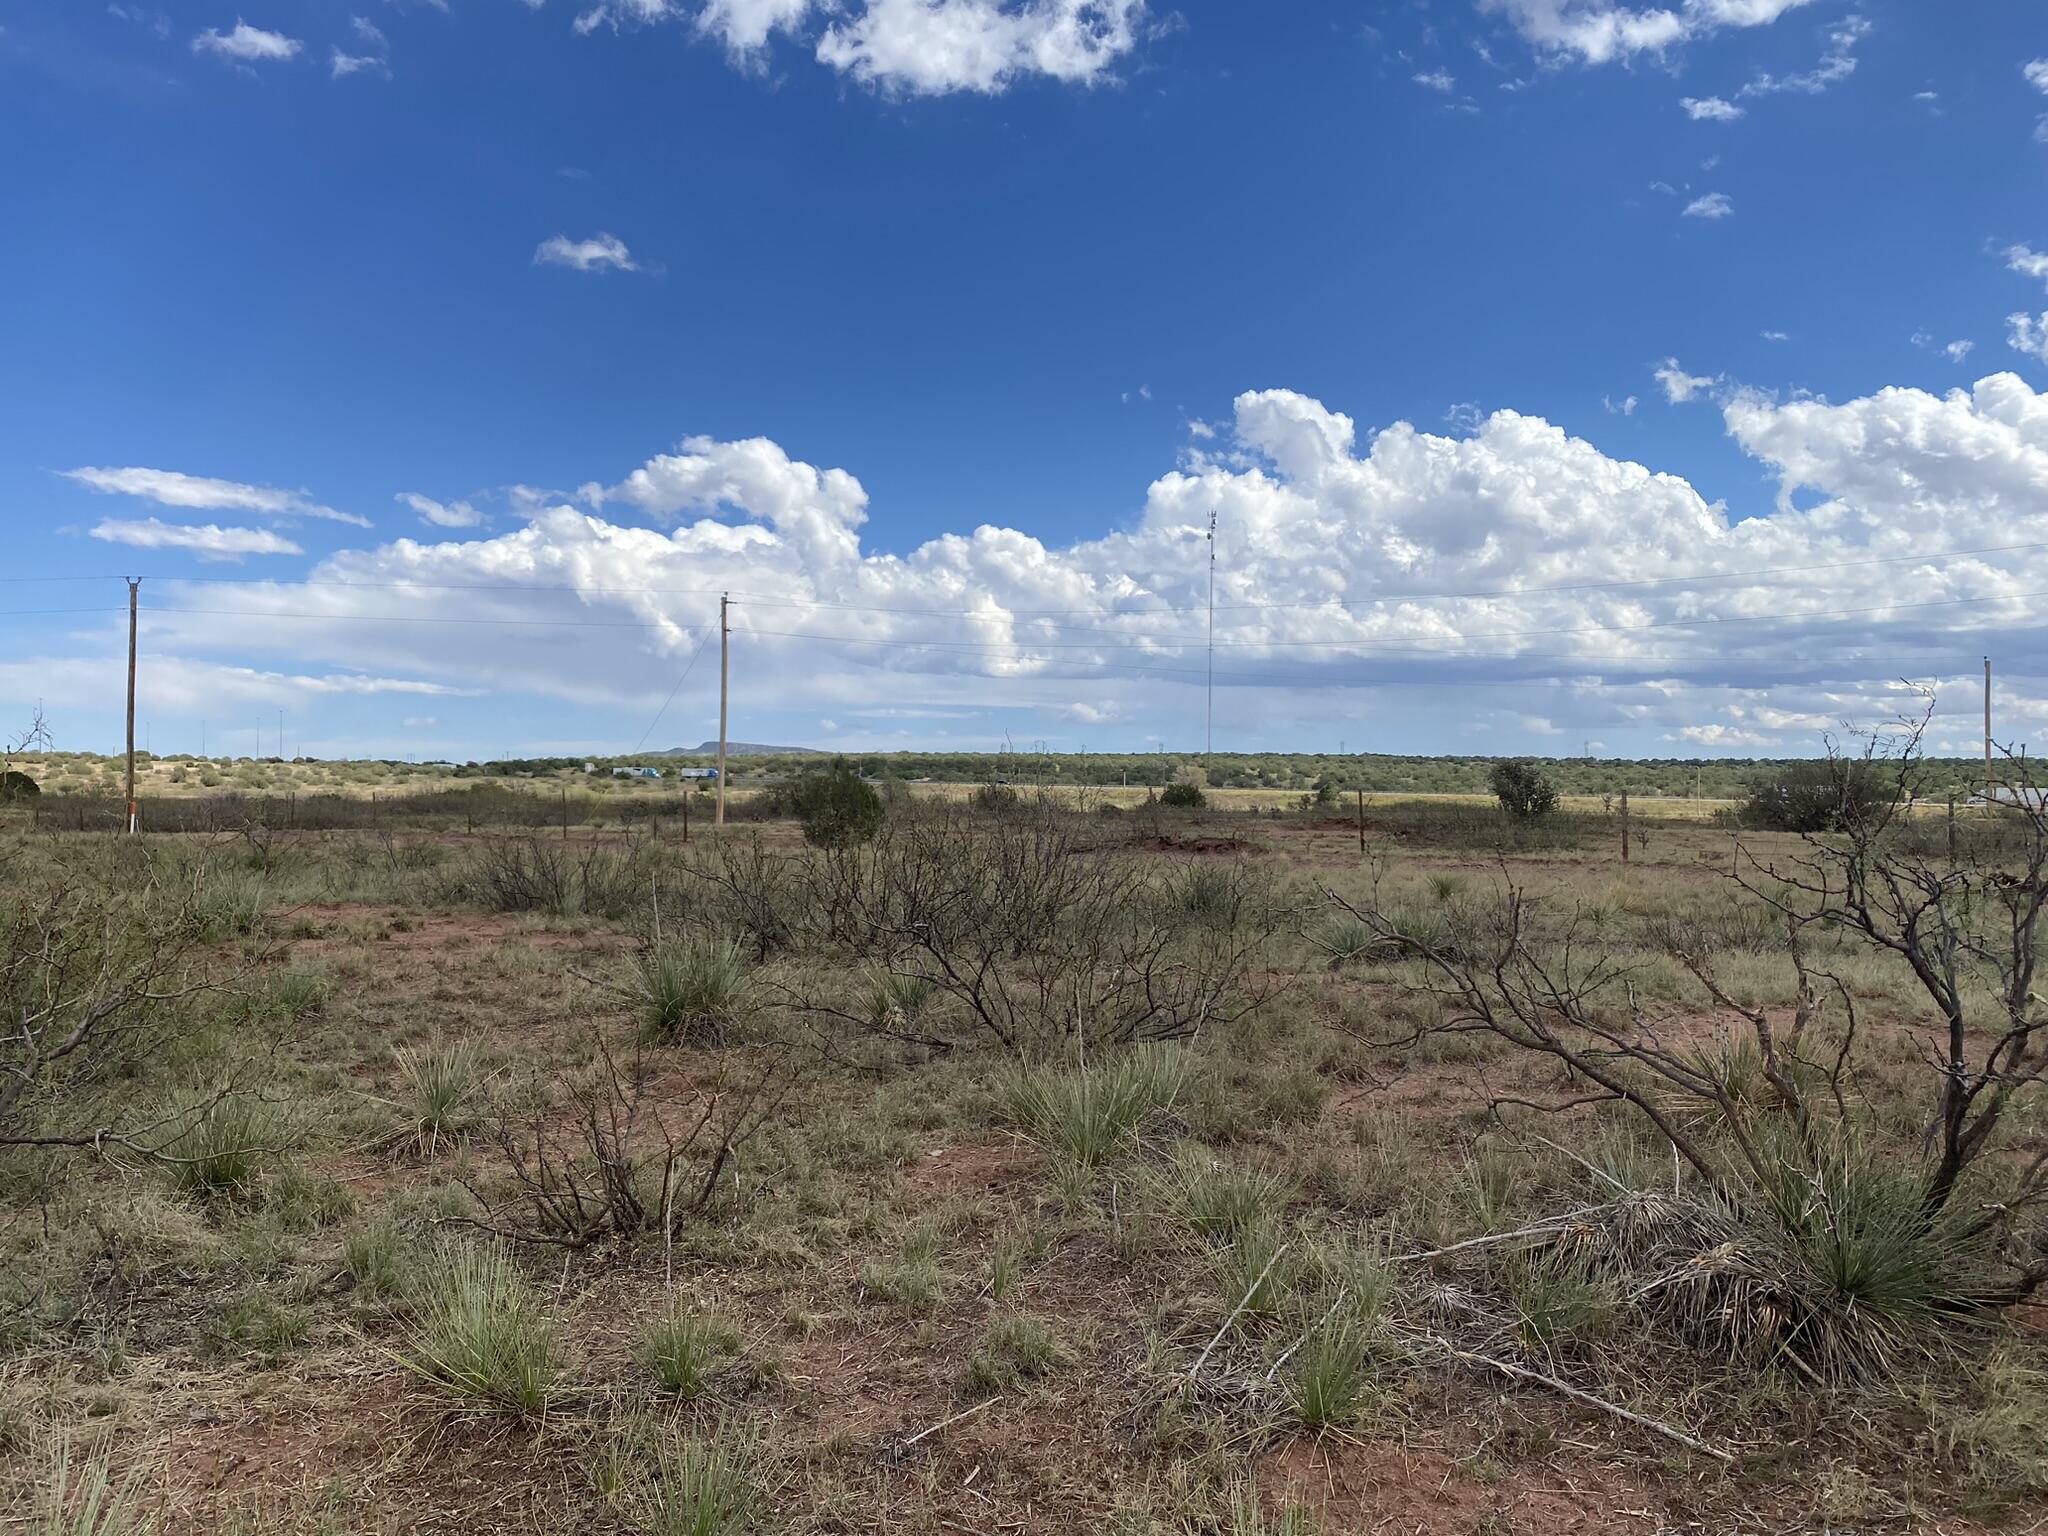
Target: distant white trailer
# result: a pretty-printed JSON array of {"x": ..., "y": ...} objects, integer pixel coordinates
[{"x": 2019, "y": 797}]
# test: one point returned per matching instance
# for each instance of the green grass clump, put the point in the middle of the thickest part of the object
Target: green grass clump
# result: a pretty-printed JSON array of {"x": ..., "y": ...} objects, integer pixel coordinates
[
  {"x": 1332, "y": 1376},
  {"x": 371, "y": 1257},
  {"x": 1874, "y": 1277},
  {"x": 83, "y": 1497},
  {"x": 1011, "y": 1349},
  {"x": 681, "y": 1347},
  {"x": 224, "y": 1144},
  {"x": 912, "y": 1281},
  {"x": 481, "y": 1333},
  {"x": 229, "y": 904},
  {"x": 1557, "y": 1300},
  {"x": 1086, "y": 1113},
  {"x": 1216, "y": 1199},
  {"x": 294, "y": 994},
  {"x": 441, "y": 1079},
  {"x": 1260, "y": 1267},
  {"x": 690, "y": 986},
  {"x": 688, "y": 1487},
  {"x": 261, "y": 1325}
]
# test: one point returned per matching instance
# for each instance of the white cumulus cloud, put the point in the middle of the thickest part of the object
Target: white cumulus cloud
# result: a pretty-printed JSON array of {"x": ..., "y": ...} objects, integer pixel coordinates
[
  {"x": 1381, "y": 565},
  {"x": 1602, "y": 31},
  {"x": 937, "y": 47}
]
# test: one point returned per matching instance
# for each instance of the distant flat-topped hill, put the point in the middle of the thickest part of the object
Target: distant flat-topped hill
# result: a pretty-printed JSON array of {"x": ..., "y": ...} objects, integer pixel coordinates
[{"x": 740, "y": 749}]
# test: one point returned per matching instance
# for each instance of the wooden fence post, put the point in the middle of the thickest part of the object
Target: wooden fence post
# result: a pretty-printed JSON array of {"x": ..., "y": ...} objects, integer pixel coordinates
[{"x": 1624, "y": 826}]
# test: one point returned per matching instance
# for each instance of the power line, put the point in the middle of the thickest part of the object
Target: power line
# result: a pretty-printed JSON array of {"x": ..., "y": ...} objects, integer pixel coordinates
[{"x": 691, "y": 666}]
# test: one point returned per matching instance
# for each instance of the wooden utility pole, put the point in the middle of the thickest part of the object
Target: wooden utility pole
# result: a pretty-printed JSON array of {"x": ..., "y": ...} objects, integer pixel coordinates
[
  {"x": 1209, "y": 723},
  {"x": 724, "y": 688},
  {"x": 1987, "y": 722},
  {"x": 134, "y": 588}
]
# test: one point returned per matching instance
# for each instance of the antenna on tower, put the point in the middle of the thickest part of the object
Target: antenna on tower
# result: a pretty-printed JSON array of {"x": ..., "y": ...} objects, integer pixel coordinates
[{"x": 1210, "y": 739}]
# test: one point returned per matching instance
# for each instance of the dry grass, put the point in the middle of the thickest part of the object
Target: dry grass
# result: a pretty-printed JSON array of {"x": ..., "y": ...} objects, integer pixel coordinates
[{"x": 921, "y": 1231}]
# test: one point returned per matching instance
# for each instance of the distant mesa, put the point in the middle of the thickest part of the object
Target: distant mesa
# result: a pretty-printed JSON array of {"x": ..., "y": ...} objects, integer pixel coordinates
[{"x": 739, "y": 749}]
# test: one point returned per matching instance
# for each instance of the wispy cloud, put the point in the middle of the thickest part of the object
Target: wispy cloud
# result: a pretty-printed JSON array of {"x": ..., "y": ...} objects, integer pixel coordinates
[
  {"x": 600, "y": 253},
  {"x": 247, "y": 45},
  {"x": 1678, "y": 385},
  {"x": 209, "y": 541},
  {"x": 1713, "y": 205},
  {"x": 1437, "y": 80},
  {"x": 2027, "y": 335},
  {"x": 170, "y": 488},
  {"x": 1710, "y": 109},
  {"x": 1837, "y": 63},
  {"x": 442, "y": 514}
]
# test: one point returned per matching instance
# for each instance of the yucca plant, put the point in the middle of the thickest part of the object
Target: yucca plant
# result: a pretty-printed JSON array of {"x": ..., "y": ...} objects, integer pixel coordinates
[
  {"x": 1087, "y": 1112},
  {"x": 441, "y": 1079},
  {"x": 481, "y": 1332},
  {"x": 895, "y": 1001},
  {"x": 690, "y": 986}
]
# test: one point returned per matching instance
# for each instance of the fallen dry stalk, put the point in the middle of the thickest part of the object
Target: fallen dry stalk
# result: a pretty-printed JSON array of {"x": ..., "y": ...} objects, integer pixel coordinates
[{"x": 1578, "y": 1394}]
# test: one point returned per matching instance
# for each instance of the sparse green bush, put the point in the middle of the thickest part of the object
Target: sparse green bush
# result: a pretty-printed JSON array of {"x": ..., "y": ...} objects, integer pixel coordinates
[
  {"x": 1826, "y": 795},
  {"x": 1524, "y": 790},
  {"x": 680, "y": 1348},
  {"x": 481, "y": 1333},
  {"x": 835, "y": 807},
  {"x": 692, "y": 985},
  {"x": 1087, "y": 1112}
]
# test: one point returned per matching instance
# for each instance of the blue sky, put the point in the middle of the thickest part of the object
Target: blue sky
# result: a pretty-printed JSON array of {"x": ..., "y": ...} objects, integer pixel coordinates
[{"x": 953, "y": 319}]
